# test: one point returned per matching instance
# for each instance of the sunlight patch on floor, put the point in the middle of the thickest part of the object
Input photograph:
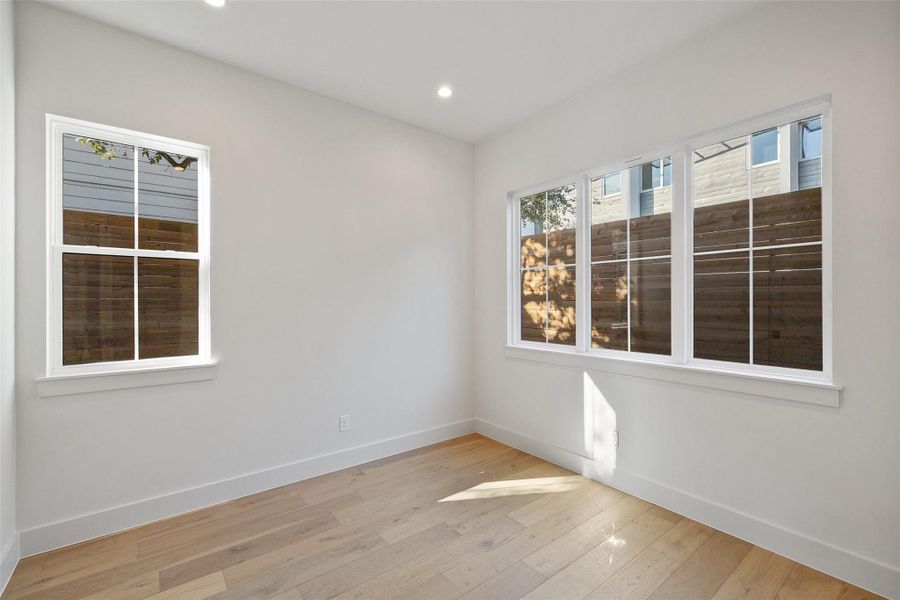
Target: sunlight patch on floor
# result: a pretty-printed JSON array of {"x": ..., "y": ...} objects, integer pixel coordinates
[{"x": 516, "y": 487}]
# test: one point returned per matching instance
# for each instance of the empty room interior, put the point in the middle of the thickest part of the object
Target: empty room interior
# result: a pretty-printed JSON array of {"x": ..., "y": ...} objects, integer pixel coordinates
[{"x": 438, "y": 300}]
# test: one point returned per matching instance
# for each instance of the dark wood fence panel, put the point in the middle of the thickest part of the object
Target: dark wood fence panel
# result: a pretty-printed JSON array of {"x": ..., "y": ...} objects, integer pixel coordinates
[
  {"x": 787, "y": 307},
  {"x": 651, "y": 306},
  {"x": 561, "y": 247},
  {"x": 98, "y": 291},
  {"x": 534, "y": 305},
  {"x": 98, "y": 308},
  {"x": 651, "y": 235},
  {"x": 561, "y": 306},
  {"x": 609, "y": 306},
  {"x": 609, "y": 241},
  {"x": 722, "y": 226},
  {"x": 117, "y": 231},
  {"x": 791, "y": 218},
  {"x": 168, "y": 296},
  {"x": 722, "y": 307},
  {"x": 82, "y": 228},
  {"x": 533, "y": 249}
]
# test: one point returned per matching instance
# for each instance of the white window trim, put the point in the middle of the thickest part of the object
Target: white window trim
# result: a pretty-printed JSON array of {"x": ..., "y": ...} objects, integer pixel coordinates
[
  {"x": 56, "y": 127},
  {"x": 792, "y": 384}
]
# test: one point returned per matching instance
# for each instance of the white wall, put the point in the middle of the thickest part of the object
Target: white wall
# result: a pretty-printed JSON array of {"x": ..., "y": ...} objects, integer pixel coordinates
[
  {"x": 341, "y": 283},
  {"x": 9, "y": 550},
  {"x": 819, "y": 484}
]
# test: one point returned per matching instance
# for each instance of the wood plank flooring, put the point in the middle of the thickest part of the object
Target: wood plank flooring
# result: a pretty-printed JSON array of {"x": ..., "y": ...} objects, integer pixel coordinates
[{"x": 469, "y": 519}]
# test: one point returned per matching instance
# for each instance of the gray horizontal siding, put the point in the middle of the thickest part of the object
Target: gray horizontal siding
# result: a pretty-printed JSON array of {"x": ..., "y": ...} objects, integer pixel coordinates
[{"x": 107, "y": 186}]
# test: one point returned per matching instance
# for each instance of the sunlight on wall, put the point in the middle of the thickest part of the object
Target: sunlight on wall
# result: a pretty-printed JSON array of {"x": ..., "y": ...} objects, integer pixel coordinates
[
  {"x": 516, "y": 487},
  {"x": 599, "y": 428}
]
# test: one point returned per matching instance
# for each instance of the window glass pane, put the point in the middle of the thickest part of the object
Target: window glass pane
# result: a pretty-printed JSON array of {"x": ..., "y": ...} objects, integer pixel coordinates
[
  {"x": 772, "y": 176},
  {"x": 97, "y": 308},
  {"x": 98, "y": 192},
  {"x": 722, "y": 307},
  {"x": 609, "y": 234},
  {"x": 787, "y": 307},
  {"x": 561, "y": 306},
  {"x": 721, "y": 191},
  {"x": 667, "y": 171},
  {"x": 811, "y": 138},
  {"x": 650, "y": 175},
  {"x": 651, "y": 306},
  {"x": 612, "y": 184},
  {"x": 609, "y": 305},
  {"x": 560, "y": 225},
  {"x": 167, "y": 201},
  {"x": 168, "y": 302},
  {"x": 765, "y": 146},
  {"x": 534, "y": 305},
  {"x": 533, "y": 241},
  {"x": 651, "y": 226}
]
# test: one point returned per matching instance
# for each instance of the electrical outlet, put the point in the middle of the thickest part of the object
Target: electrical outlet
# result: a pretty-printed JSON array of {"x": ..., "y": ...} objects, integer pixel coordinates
[{"x": 343, "y": 422}]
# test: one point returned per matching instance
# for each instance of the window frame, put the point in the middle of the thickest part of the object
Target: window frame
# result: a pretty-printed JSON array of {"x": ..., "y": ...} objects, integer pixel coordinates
[
  {"x": 682, "y": 250},
  {"x": 56, "y": 128}
]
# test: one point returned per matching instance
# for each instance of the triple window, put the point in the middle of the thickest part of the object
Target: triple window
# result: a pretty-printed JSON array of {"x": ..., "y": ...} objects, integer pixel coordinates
[
  {"x": 128, "y": 257},
  {"x": 711, "y": 254}
]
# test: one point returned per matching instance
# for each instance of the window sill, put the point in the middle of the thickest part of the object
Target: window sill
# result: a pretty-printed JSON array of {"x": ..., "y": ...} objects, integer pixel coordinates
[
  {"x": 84, "y": 383},
  {"x": 809, "y": 391}
]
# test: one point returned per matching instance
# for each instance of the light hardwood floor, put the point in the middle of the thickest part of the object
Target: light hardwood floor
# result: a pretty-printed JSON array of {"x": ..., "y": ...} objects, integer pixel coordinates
[{"x": 469, "y": 518}]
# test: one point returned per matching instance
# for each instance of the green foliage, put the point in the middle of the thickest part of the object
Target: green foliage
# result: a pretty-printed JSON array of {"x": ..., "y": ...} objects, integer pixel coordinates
[
  {"x": 109, "y": 151},
  {"x": 551, "y": 210}
]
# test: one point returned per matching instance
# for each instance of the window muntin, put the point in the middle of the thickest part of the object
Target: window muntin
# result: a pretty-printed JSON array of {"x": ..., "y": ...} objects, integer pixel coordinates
[
  {"x": 129, "y": 250},
  {"x": 757, "y": 261},
  {"x": 547, "y": 266},
  {"x": 631, "y": 262},
  {"x": 741, "y": 273}
]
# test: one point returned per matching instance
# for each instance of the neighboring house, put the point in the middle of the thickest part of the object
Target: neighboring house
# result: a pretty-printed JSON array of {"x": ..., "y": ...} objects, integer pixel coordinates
[
  {"x": 106, "y": 186},
  {"x": 780, "y": 160}
]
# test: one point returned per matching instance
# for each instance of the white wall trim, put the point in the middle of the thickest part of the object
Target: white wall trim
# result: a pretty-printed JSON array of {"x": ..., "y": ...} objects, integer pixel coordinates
[
  {"x": 83, "y": 383},
  {"x": 718, "y": 378},
  {"x": 8, "y": 560},
  {"x": 859, "y": 570},
  {"x": 78, "y": 529}
]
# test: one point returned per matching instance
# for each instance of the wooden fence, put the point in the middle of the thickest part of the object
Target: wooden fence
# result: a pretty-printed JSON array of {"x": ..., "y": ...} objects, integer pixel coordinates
[
  {"x": 787, "y": 283},
  {"x": 98, "y": 291}
]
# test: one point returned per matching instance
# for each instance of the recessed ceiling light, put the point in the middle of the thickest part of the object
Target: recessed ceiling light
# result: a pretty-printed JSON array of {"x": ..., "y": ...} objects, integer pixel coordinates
[
  {"x": 216, "y": 3},
  {"x": 445, "y": 91}
]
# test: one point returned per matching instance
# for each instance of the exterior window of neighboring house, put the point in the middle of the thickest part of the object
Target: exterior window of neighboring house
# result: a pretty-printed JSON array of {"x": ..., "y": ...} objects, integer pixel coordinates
[
  {"x": 612, "y": 184},
  {"x": 129, "y": 250},
  {"x": 744, "y": 275},
  {"x": 811, "y": 138},
  {"x": 656, "y": 174},
  {"x": 631, "y": 262},
  {"x": 809, "y": 167},
  {"x": 547, "y": 266},
  {"x": 764, "y": 147}
]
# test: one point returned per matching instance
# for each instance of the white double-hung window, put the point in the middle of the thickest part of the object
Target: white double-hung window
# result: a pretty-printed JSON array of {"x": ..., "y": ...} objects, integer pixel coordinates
[
  {"x": 128, "y": 249},
  {"x": 712, "y": 253}
]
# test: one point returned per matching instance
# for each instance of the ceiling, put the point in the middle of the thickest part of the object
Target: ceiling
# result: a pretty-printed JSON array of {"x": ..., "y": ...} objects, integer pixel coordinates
[{"x": 504, "y": 60}]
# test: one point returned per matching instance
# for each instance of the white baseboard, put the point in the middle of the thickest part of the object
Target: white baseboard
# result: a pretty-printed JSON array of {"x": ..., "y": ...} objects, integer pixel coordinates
[
  {"x": 859, "y": 570},
  {"x": 85, "y": 527},
  {"x": 9, "y": 558}
]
